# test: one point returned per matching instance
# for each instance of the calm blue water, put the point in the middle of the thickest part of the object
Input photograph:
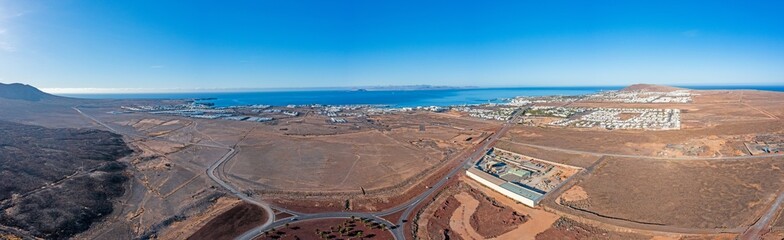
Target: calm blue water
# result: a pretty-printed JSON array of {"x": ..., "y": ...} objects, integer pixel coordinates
[{"x": 407, "y": 98}]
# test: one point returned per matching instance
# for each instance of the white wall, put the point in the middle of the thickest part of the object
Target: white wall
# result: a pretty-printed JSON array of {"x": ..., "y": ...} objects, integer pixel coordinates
[{"x": 501, "y": 190}]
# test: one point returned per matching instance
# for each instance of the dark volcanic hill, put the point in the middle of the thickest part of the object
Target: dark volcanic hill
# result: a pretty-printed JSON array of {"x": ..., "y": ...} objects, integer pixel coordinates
[
  {"x": 25, "y": 92},
  {"x": 57, "y": 181}
]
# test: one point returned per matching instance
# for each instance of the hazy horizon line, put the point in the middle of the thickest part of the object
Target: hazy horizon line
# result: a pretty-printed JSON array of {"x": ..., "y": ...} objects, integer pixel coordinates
[
  {"x": 228, "y": 90},
  {"x": 368, "y": 88}
]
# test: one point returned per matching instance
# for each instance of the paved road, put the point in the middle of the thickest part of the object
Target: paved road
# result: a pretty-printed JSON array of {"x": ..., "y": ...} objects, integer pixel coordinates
[
  {"x": 644, "y": 157},
  {"x": 763, "y": 224},
  {"x": 397, "y": 228},
  {"x": 257, "y": 231},
  {"x": 232, "y": 190},
  {"x": 408, "y": 207},
  {"x": 489, "y": 142},
  {"x": 210, "y": 171}
]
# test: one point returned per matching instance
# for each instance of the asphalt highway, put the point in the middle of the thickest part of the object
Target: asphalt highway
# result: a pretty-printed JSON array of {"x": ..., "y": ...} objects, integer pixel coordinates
[
  {"x": 408, "y": 207},
  {"x": 397, "y": 229},
  {"x": 210, "y": 171},
  {"x": 763, "y": 224}
]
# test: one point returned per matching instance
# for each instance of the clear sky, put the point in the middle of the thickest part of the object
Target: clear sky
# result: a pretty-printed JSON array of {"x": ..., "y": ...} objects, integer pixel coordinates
[{"x": 282, "y": 44}]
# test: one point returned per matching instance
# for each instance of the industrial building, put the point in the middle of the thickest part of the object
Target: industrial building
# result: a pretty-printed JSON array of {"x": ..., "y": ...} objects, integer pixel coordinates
[{"x": 511, "y": 190}]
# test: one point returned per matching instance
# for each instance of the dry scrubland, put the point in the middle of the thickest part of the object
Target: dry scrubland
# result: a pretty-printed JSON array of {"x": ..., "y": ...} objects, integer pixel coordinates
[
  {"x": 716, "y": 124},
  {"x": 392, "y": 150},
  {"x": 330, "y": 229},
  {"x": 568, "y": 229},
  {"x": 170, "y": 194},
  {"x": 678, "y": 194},
  {"x": 160, "y": 185},
  {"x": 692, "y": 194},
  {"x": 57, "y": 182}
]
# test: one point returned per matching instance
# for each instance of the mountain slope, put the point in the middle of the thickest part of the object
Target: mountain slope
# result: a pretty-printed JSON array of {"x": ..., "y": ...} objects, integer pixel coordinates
[{"x": 18, "y": 91}]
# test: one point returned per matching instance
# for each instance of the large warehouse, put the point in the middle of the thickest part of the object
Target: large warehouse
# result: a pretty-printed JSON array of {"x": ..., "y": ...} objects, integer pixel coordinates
[{"x": 511, "y": 190}]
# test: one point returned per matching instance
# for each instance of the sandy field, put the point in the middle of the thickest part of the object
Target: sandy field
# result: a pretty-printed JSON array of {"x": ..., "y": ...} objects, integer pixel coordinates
[
  {"x": 693, "y": 194},
  {"x": 716, "y": 124},
  {"x": 350, "y": 162},
  {"x": 303, "y": 158}
]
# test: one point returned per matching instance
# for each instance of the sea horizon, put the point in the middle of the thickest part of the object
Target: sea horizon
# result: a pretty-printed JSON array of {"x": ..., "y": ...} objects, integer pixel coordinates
[{"x": 390, "y": 97}]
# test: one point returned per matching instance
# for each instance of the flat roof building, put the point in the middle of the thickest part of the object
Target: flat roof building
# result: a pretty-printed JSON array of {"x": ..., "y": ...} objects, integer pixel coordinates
[{"x": 511, "y": 190}]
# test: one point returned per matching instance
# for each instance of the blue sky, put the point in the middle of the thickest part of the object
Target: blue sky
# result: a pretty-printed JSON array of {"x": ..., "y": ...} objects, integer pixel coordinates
[{"x": 293, "y": 44}]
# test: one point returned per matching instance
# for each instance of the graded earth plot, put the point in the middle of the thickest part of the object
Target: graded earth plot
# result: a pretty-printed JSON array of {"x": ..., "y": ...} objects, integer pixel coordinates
[
  {"x": 464, "y": 212},
  {"x": 571, "y": 159},
  {"x": 404, "y": 147},
  {"x": 702, "y": 194}
]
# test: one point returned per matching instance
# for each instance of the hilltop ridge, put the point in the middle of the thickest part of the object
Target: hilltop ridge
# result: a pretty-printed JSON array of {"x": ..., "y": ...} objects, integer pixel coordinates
[{"x": 18, "y": 91}]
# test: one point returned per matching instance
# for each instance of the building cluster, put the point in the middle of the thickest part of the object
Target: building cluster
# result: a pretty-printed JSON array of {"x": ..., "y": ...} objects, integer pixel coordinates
[
  {"x": 766, "y": 144},
  {"x": 562, "y": 112},
  {"x": 375, "y": 110},
  {"x": 201, "y": 111},
  {"x": 498, "y": 113},
  {"x": 177, "y": 107},
  {"x": 382, "y": 110},
  {"x": 526, "y": 100},
  {"x": 677, "y": 96},
  {"x": 519, "y": 101},
  {"x": 338, "y": 120},
  {"x": 433, "y": 108},
  {"x": 519, "y": 177},
  {"x": 636, "y": 118}
]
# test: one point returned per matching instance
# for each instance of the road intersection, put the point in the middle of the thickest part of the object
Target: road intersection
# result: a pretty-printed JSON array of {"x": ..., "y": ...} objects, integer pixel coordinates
[{"x": 397, "y": 228}]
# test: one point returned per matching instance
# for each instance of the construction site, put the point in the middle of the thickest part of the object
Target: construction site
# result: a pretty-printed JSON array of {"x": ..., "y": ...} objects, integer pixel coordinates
[
  {"x": 520, "y": 177},
  {"x": 719, "y": 172}
]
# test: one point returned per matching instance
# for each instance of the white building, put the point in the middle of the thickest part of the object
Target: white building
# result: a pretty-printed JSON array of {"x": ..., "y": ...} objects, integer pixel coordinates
[{"x": 511, "y": 190}]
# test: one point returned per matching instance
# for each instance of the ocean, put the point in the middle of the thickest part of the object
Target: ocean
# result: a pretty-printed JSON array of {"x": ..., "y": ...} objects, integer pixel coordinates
[{"x": 392, "y": 98}]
